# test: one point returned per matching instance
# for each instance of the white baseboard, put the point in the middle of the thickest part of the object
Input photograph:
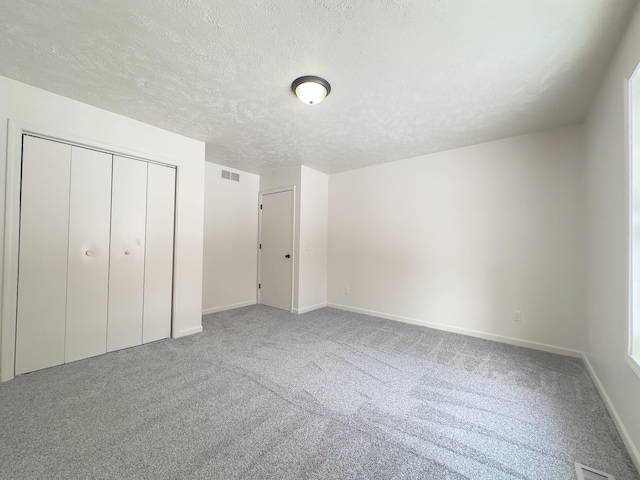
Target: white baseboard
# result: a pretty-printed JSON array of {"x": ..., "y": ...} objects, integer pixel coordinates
[
  {"x": 634, "y": 453},
  {"x": 309, "y": 309},
  {"x": 228, "y": 307},
  {"x": 464, "y": 331},
  {"x": 188, "y": 331}
]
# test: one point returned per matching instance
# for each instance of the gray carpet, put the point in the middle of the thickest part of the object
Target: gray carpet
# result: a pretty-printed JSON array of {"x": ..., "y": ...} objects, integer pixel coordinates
[{"x": 264, "y": 394}]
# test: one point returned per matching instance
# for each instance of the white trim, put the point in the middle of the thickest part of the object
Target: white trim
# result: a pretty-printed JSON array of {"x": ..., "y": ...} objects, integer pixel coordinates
[
  {"x": 628, "y": 140},
  {"x": 11, "y": 242},
  {"x": 634, "y": 453},
  {"x": 63, "y": 137},
  {"x": 633, "y": 363},
  {"x": 15, "y": 131},
  {"x": 633, "y": 328},
  {"x": 188, "y": 331},
  {"x": 228, "y": 307},
  {"x": 294, "y": 258},
  {"x": 258, "y": 246},
  {"x": 309, "y": 309},
  {"x": 465, "y": 331},
  {"x": 278, "y": 190}
]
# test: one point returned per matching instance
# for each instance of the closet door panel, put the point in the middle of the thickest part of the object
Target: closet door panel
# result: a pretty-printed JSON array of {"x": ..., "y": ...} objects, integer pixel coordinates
[
  {"x": 126, "y": 277},
  {"x": 44, "y": 226},
  {"x": 88, "y": 276},
  {"x": 158, "y": 283}
]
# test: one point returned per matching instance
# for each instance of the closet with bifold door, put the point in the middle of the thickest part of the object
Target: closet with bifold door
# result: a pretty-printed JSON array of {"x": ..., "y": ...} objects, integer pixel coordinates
[{"x": 95, "y": 267}]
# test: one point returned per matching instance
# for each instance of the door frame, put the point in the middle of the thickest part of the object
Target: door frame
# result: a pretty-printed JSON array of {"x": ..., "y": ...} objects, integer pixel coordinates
[
  {"x": 292, "y": 189},
  {"x": 13, "y": 181}
]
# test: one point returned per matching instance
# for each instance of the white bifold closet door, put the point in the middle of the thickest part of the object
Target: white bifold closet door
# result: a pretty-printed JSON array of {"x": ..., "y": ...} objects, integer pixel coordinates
[
  {"x": 96, "y": 253},
  {"x": 128, "y": 227},
  {"x": 141, "y": 277},
  {"x": 158, "y": 271},
  {"x": 88, "y": 274},
  {"x": 42, "y": 282}
]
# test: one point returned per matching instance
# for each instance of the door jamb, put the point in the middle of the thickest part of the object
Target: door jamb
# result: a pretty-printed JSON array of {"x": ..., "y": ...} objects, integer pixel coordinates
[{"x": 292, "y": 189}]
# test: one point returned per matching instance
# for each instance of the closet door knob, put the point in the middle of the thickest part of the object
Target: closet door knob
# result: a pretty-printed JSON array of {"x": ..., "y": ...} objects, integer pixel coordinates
[
  {"x": 127, "y": 252},
  {"x": 88, "y": 253}
]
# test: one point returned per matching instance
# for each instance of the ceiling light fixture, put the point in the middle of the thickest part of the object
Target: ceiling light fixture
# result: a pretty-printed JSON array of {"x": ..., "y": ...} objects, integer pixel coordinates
[{"x": 311, "y": 89}]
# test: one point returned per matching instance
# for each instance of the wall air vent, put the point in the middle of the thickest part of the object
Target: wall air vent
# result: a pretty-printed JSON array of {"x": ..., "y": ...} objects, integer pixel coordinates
[
  {"x": 231, "y": 176},
  {"x": 588, "y": 473}
]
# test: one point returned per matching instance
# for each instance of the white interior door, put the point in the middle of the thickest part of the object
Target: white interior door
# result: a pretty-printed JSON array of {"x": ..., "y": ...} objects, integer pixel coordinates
[
  {"x": 126, "y": 277},
  {"x": 158, "y": 276},
  {"x": 88, "y": 275},
  {"x": 276, "y": 250},
  {"x": 44, "y": 229}
]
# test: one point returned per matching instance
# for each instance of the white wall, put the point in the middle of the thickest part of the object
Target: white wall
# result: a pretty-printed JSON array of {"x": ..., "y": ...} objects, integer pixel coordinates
[
  {"x": 608, "y": 241},
  {"x": 286, "y": 177},
  {"x": 310, "y": 267},
  {"x": 230, "y": 239},
  {"x": 460, "y": 239},
  {"x": 67, "y": 118},
  {"x": 314, "y": 219}
]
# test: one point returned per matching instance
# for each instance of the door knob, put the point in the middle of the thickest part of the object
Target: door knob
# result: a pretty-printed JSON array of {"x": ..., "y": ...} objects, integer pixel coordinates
[
  {"x": 88, "y": 253},
  {"x": 127, "y": 252},
  {"x": 287, "y": 256}
]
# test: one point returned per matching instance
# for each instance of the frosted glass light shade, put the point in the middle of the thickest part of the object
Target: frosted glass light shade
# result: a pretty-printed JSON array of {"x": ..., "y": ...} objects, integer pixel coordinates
[
  {"x": 311, "y": 92},
  {"x": 311, "y": 89}
]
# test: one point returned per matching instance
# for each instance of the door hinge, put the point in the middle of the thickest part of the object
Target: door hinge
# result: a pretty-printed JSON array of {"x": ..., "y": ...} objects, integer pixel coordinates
[{"x": 260, "y": 246}]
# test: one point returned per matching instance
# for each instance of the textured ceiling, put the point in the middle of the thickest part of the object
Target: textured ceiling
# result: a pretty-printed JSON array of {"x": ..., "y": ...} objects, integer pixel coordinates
[{"x": 408, "y": 77}]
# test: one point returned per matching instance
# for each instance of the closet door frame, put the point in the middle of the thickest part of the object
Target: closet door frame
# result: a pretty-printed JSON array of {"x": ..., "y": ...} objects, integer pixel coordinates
[{"x": 9, "y": 294}]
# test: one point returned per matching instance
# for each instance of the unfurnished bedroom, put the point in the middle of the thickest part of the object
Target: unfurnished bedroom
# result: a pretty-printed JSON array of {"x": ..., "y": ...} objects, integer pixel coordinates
[{"x": 324, "y": 239}]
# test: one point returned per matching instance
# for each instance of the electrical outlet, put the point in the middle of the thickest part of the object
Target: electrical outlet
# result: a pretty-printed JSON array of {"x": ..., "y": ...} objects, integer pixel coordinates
[
  {"x": 517, "y": 316},
  {"x": 346, "y": 290}
]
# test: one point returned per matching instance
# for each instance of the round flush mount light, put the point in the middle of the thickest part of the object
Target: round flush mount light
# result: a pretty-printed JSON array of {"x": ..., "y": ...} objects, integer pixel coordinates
[{"x": 311, "y": 89}]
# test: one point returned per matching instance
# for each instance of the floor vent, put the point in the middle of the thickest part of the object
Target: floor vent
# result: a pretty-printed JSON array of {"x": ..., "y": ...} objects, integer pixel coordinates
[
  {"x": 588, "y": 473},
  {"x": 231, "y": 176}
]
